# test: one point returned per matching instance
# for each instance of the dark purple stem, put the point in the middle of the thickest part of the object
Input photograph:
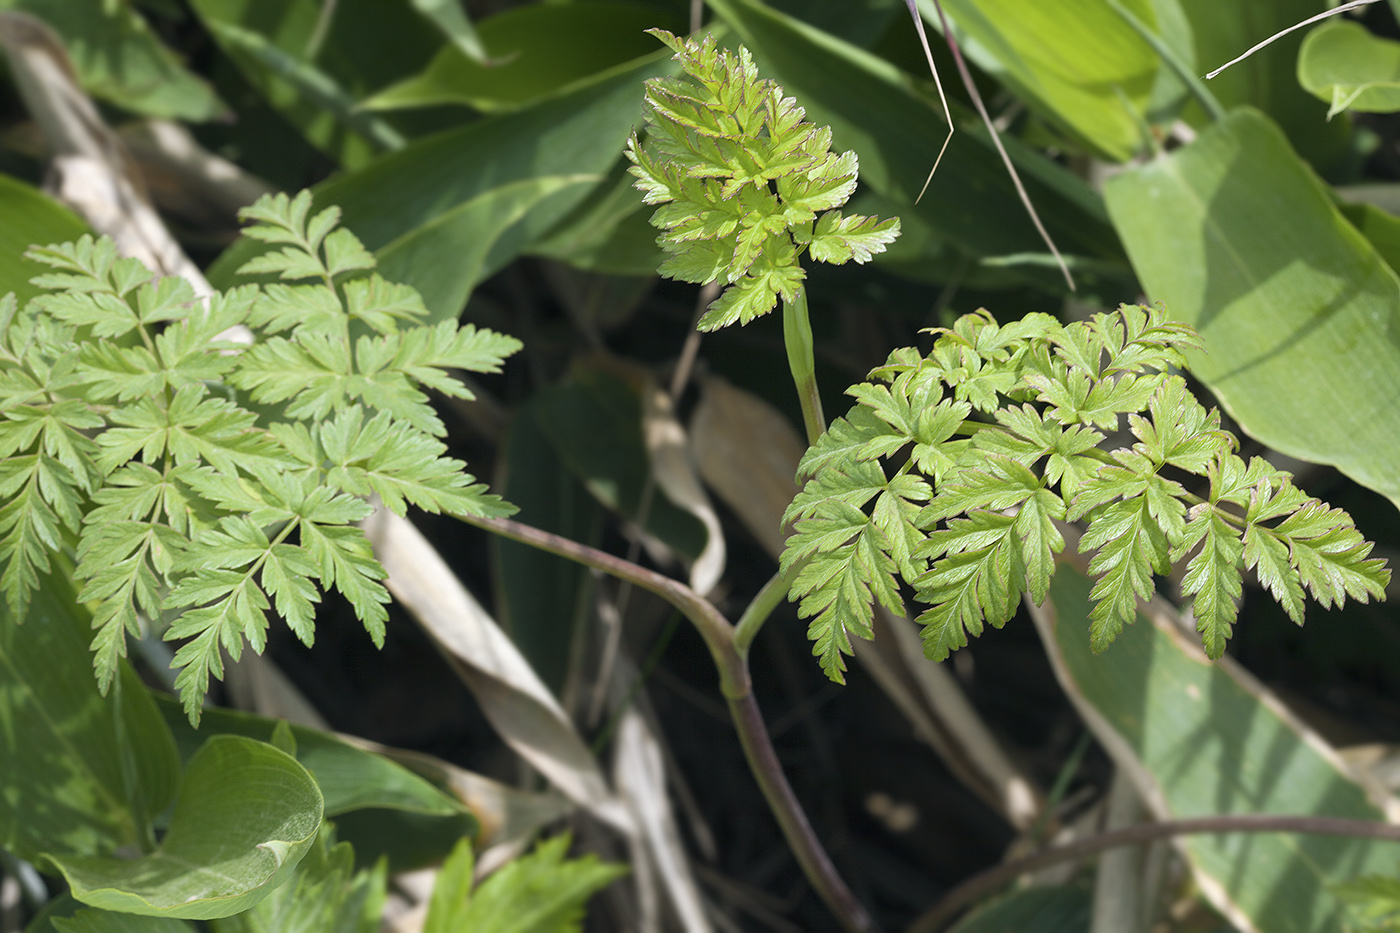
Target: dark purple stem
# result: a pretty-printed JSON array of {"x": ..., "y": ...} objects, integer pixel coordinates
[{"x": 989, "y": 881}]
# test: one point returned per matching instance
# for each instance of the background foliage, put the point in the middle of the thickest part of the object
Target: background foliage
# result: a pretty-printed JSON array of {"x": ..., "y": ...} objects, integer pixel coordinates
[{"x": 476, "y": 150}]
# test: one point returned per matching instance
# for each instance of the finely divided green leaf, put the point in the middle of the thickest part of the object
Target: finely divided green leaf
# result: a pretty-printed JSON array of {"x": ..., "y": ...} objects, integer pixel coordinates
[
  {"x": 1213, "y": 577},
  {"x": 1131, "y": 547},
  {"x": 198, "y": 510}
]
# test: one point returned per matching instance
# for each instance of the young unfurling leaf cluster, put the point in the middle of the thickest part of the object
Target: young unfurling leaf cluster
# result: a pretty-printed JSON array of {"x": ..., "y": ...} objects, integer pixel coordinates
[
  {"x": 122, "y": 437},
  {"x": 745, "y": 184},
  {"x": 953, "y": 468}
]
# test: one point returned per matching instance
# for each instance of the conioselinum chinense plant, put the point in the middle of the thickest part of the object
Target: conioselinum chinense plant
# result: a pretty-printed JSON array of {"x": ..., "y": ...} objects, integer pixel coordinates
[
  {"x": 952, "y": 470},
  {"x": 747, "y": 187},
  {"x": 123, "y": 443}
]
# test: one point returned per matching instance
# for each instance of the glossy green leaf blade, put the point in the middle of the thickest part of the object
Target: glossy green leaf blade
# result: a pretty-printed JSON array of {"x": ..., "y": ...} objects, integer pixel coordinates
[
  {"x": 541, "y": 619},
  {"x": 608, "y": 233},
  {"x": 349, "y": 778},
  {"x": 1342, "y": 63},
  {"x": 245, "y": 817},
  {"x": 446, "y": 257},
  {"x": 378, "y": 805},
  {"x": 862, "y": 24},
  {"x": 90, "y": 920},
  {"x": 1239, "y": 239},
  {"x": 31, "y": 217},
  {"x": 308, "y": 85},
  {"x": 1268, "y": 79},
  {"x": 81, "y": 773},
  {"x": 324, "y": 895},
  {"x": 1063, "y": 909},
  {"x": 1380, "y": 227},
  {"x": 1078, "y": 62},
  {"x": 452, "y": 21},
  {"x": 315, "y": 72},
  {"x": 897, "y": 133},
  {"x": 580, "y": 133},
  {"x": 594, "y": 420},
  {"x": 120, "y": 60},
  {"x": 1200, "y": 738},
  {"x": 539, "y": 50}
]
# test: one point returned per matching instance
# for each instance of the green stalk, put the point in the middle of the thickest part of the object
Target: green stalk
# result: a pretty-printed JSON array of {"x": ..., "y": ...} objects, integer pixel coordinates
[
  {"x": 797, "y": 336},
  {"x": 758, "y": 611}
]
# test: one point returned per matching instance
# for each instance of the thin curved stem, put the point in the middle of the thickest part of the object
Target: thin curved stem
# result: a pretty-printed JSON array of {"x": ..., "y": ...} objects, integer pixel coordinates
[
  {"x": 987, "y": 882},
  {"x": 942, "y": 97},
  {"x": 1281, "y": 33},
  {"x": 971, "y": 87},
  {"x": 759, "y": 609},
  {"x": 714, "y": 628},
  {"x": 721, "y": 638},
  {"x": 816, "y": 864}
]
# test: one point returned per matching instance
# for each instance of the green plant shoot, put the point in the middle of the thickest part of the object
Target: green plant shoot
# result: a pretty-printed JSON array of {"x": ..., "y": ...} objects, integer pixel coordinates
[
  {"x": 745, "y": 184},
  {"x": 122, "y": 439},
  {"x": 951, "y": 472}
]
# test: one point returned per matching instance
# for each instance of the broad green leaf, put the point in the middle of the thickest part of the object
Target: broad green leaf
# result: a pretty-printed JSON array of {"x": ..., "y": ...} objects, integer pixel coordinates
[
  {"x": 451, "y": 20},
  {"x": 580, "y": 133},
  {"x": 1342, "y": 63},
  {"x": 872, "y": 110},
  {"x": 349, "y": 778},
  {"x": 119, "y": 59},
  {"x": 539, "y": 50},
  {"x": 1379, "y": 226},
  {"x": 91, "y": 920},
  {"x": 862, "y": 24},
  {"x": 541, "y": 619},
  {"x": 378, "y": 805},
  {"x": 83, "y": 773},
  {"x": 246, "y": 815},
  {"x": 1268, "y": 79},
  {"x": 317, "y": 87},
  {"x": 446, "y": 257},
  {"x": 1200, "y": 738},
  {"x": 609, "y": 233},
  {"x": 30, "y": 217},
  {"x": 1036, "y": 909},
  {"x": 1077, "y": 62},
  {"x": 325, "y": 894},
  {"x": 594, "y": 420},
  {"x": 299, "y": 82},
  {"x": 1238, "y": 238}
]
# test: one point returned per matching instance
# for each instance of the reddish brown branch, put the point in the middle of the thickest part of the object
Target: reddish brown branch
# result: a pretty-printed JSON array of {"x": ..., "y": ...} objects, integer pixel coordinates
[
  {"x": 989, "y": 881},
  {"x": 719, "y": 636}
]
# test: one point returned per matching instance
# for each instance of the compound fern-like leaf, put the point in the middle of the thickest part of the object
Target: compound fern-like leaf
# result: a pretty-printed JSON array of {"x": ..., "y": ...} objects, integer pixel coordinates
[
  {"x": 1001, "y": 429},
  {"x": 122, "y": 436}
]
